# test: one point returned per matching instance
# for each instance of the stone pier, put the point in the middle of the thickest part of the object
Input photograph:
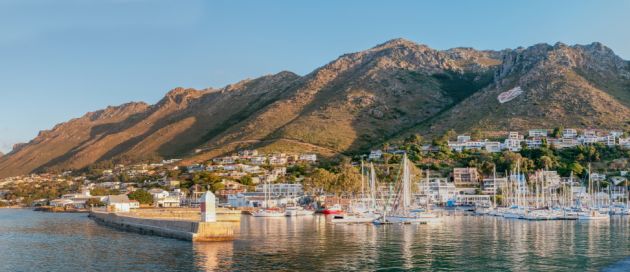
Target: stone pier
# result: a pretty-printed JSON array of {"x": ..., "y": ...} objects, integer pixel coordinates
[{"x": 176, "y": 223}]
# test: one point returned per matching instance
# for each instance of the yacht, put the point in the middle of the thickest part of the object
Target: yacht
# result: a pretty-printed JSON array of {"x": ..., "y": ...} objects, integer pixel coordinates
[
  {"x": 355, "y": 218},
  {"x": 297, "y": 211},
  {"x": 268, "y": 213},
  {"x": 593, "y": 215}
]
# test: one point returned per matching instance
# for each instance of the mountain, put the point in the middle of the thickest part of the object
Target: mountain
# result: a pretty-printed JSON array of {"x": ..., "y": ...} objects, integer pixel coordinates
[{"x": 351, "y": 104}]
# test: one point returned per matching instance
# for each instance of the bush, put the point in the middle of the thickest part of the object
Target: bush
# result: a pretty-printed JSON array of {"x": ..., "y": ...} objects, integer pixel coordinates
[
  {"x": 94, "y": 202},
  {"x": 141, "y": 196}
]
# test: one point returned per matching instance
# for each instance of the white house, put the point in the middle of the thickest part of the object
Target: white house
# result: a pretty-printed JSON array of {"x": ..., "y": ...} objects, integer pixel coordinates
[
  {"x": 375, "y": 154},
  {"x": 158, "y": 193},
  {"x": 513, "y": 142},
  {"x": 257, "y": 199},
  {"x": 537, "y": 133},
  {"x": 308, "y": 157},
  {"x": 493, "y": 146},
  {"x": 569, "y": 133},
  {"x": 134, "y": 204},
  {"x": 278, "y": 160},
  {"x": 118, "y": 203},
  {"x": 440, "y": 191},
  {"x": 463, "y": 138},
  {"x": 258, "y": 160},
  {"x": 168, "y": 202},
  {"x": 282, "y": 189}
]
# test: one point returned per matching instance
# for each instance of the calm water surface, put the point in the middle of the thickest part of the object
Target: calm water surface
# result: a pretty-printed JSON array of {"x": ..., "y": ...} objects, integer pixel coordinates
[{"x": 33, "y": 241}]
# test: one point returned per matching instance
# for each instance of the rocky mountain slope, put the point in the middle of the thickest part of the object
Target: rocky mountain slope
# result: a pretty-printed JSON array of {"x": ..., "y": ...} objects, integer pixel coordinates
[{"x": 354, "y": 102}]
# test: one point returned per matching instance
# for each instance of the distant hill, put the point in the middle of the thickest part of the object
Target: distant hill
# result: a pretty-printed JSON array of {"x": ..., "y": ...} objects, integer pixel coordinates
[{"x": 355, "y": 102}]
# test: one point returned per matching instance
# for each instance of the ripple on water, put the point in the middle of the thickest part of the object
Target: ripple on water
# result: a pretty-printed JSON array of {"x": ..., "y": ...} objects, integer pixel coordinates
[{"x": 71, "y": 242}]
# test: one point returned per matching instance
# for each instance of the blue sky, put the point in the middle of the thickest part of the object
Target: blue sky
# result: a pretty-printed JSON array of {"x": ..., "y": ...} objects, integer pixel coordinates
[{"x": 62, "y": 58}]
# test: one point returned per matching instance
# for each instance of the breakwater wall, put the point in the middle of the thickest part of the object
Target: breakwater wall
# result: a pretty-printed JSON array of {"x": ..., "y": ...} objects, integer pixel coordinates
[
  {"x": 171, "y": 228},
  {"x": 191, "y": 214}
]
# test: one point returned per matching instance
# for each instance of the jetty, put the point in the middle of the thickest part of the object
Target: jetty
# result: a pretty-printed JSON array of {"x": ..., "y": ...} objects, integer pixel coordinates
[{"x": 191, "y": 224}]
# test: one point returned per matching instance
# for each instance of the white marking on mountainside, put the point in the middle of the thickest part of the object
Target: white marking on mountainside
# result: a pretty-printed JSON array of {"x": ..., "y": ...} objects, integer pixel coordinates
[{"x": 510, "y": 94}]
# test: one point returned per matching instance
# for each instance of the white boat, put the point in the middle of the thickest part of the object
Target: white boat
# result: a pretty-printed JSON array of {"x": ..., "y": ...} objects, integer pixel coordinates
[
  {"x": 400, "y": 219},
  {"x": 297, "y": 211},
  {"x": 569, "y": 215},
  {"x": 354, "y": 218},
  {"x": 403, "y": 212},
  {"x": 593, "y": 215},
  {"x": 482, "y": 211},
  {"x": 619, "y": 211},
  {"x": 268, "y": 213},
  {"x": 539, "y": 215},
  {"x": 514, "y": 212}
]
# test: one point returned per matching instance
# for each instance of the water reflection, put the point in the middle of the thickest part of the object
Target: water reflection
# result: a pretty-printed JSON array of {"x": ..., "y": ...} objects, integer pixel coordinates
[
  {"x": 58, "y": 242},
  {"x": 213, "y": 256},
  {"x": 459, "y": 243}
]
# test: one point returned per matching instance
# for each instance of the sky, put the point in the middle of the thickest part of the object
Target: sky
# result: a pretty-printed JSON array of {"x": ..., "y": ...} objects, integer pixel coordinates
[{"x": 62, "y": 58}]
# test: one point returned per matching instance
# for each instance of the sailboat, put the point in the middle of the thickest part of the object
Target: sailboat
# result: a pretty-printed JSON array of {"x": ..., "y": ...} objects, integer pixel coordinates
[
  {"x": 402, "y": 210},
  {"x": 492, "y": 209},
  {"x": 295, "y": 210},
  {"x": 266, "y": 211},
  {"x": 592, "y": 212},
  {"x": 365, "y": 210}
]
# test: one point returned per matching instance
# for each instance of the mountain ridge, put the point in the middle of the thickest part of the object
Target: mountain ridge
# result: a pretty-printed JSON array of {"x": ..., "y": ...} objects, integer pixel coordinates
[{"x": 350, "y": 104}]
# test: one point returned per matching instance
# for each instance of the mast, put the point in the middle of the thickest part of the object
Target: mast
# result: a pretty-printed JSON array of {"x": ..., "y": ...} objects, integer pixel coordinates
[
  {"x": 571, "y": 190},
  {"x": 362, "y": 185},
  {"x": 494, "y": 186},
  {"x": 372, "y": 186},
  {"x": 406, "y": 190},
  {"x": 590, "y": 187},
  {"x": 426, "y": 190}
]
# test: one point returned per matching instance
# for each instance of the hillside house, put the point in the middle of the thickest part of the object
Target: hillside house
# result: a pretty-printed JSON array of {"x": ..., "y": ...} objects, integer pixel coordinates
[
  {"x": 375, "y": 155},
  {"x": 569, "y": 133},
  {"x": 537, "y": 133},
  {"x": 465, "y": 177}
]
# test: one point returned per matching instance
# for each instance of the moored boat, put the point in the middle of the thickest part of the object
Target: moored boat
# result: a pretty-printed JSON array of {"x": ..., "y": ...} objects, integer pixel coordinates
[
  {"x": 593, "y": 215},
  {"x": 335, "y": 209},
  {"x": 268, "y": 213}
]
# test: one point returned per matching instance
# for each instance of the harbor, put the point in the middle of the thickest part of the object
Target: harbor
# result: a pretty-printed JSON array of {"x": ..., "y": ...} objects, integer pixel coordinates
[
  {"x": 197, "y": 225},
  {"x": 462, "y": 243}
]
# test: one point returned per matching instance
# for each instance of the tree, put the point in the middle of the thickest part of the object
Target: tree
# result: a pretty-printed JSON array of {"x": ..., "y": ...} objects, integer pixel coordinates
[
  {"x": 94, "y": 202},
  {"x": 557, "y": 132},
  {"x": 576, "y": 168},
  {"x": 348, "y": 180},
  {"x": 476, "y": 134},
  {"x": 414, "y": 139},
  {"x": 547, "y": 162},
  {"x": 246, "y": 180},
  {"x": 141, "y": 196},
  {"x": 319, "y": 181},
  {"x": 450, "y": 134},
  {"x": 99, "y": 191},
  {"x": 487, "y": 167},
  {"x": 208, "y": 180}
]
